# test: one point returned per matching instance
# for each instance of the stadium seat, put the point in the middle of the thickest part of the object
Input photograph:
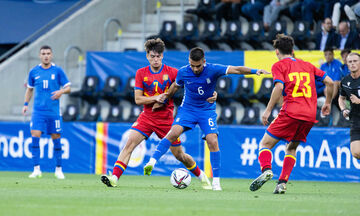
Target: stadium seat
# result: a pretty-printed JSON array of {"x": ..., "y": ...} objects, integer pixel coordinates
[
  {"x": 255, "y": 35},
  {"x": 110, "y": 92},
  {"x": 135, "y": 111},
  {"x": 228, "y": 115},
  {"x": 71, "y": 113},
  {"x": 168, "y": 34},
  {"x": 189, "y": 34},
  {"x": 115, "y": 114},
  {"x": 223, "y": 88},
  {"x": 277, "y": 27},
  {"x": 92, "y": 114},
  {"x": 244, "y": 91},
  {"x": 89, "y": 90},
  {"x": 265, "y": 90},
  {"x": 301, "y": 34},
  {"x": 323, "y": 121},
  {"x": 211, "y": 35},
  {"x": 128, "y": 92},
  {"x": 251, "y": 116}
]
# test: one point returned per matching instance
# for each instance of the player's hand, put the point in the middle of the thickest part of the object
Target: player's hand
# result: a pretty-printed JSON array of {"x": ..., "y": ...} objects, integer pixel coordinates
[
  {"x": 157, "y": 106},
  {"x": 213, "y": 98},
  {"x": 162, "y": 97},
  {"x": 261, "y": 71},
  {"x": 56, "y": 94},
  {"x": 326, "y": 109},
  {"x": 265, "y": 117},
  {"x": 354, "y": 99},
  {"x": 25, "y": 109},
  {"x": 346, "y": 113}
]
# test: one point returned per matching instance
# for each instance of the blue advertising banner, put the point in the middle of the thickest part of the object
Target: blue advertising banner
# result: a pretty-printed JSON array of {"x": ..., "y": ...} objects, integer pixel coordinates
[
  {"x": 77, "y": 144},
  {"x": 125, "y": 64},
  {"x": 94, "y": 148}
]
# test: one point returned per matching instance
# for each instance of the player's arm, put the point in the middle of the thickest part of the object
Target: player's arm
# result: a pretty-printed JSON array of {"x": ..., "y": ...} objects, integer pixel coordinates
[
  {"x": 57, "y": 94},
  {"x": 326, "y": 108},
  {"x": 342, "y": 104},
  {"x": 245, "y": 70},
  {"x": 170, "y": 93},
  {"x": 276, "y": 95},
  {"x": 141, "y": 99},
  {"x": 28, "y": 95}
]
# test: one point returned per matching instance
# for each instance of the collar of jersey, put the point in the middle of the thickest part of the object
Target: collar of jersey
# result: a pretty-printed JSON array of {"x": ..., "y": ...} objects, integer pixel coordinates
[
  {"x": 162, "y": 66},
  {"x": 52, "y": 64},
  {"x": 291, "y": 58}
]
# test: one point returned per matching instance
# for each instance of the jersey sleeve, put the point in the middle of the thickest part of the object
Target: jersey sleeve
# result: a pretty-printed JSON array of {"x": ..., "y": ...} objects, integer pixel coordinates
[
  {"x": 139, "y": 80},
  {"x": 220, "y": 69},
  {"x": 63, "y": 78},
  {"x": 31, "y": 80},
  {"x": 277, "y": 74},
  {"x": 179, "y": 78}
]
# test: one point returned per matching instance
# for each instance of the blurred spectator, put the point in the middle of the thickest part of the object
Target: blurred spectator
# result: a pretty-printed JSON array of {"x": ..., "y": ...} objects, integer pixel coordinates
[
  {"x": 227, "y": 9},
  {"x": 253, "y": 8},
  {"x": 344, "y": 68},
  {"x": 343, "y": 5},
  {"x": 272, "y": 10},
  {"x": 309, "y": 8},
  {"x": 333, "y": 69},
  {"x": 356, "y": 8},
  {"x": 347, "y": 39},
  {"x": 327, "y": 37},
  {"x": 204, "y": 10}
]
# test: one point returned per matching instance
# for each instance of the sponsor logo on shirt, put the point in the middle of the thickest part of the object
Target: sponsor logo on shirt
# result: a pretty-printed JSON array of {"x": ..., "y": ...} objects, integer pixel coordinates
[
  {"x": 37, "y": 77},
  {"x": 165, "y": 77},
  {"x": 187, "y": 82}
]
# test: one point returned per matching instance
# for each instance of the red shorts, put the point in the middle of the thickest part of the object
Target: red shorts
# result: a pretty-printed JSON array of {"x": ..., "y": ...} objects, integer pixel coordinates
[
  {"x": 286, "y": 128},
  {"x": 147, "y": 126}
]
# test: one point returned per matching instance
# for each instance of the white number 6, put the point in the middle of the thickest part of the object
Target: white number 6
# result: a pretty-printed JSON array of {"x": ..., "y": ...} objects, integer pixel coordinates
[
  {"x": 211, "y": 123},
  {"x": 201, "y": 92}
]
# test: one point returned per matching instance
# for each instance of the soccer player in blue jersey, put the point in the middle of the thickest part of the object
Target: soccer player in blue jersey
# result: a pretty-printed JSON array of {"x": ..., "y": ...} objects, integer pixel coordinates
[
  {"x": 49, "y": 82},
  {"x": 199, "y": 81}
]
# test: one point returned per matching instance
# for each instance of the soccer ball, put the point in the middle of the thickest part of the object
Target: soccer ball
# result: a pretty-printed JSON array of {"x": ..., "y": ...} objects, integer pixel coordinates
[{"x": 180, "y": 178}]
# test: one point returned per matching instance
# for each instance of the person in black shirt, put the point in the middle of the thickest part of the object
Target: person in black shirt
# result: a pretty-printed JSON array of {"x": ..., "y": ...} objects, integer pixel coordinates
[{"x": 350, "y": 89}]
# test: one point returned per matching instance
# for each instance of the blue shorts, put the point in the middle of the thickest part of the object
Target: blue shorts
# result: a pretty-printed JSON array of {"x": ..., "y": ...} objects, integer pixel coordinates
[
  {"x": 46, "y": 124},
  {"x": 189, "y": 118}
]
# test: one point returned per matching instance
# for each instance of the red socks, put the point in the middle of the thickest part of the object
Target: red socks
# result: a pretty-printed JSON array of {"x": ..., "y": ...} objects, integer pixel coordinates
[
  {"x": 288, "y": 165},
  {"x": 119, "y": 168},
  {"x": 195, "y": 170},
  {"x": 265, "y": 156}
]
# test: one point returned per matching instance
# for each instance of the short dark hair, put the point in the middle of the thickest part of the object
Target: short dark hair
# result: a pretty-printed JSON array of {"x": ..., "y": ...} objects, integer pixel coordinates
[
  {"x": 284, "y": 44},
  {"x": 329, "y": 49},
  {"x": 345, "y": 51},
  {"x": 155, "y": 45},
  {"x": 45, "y": 47},
  {"x": 196, "y": 54}
]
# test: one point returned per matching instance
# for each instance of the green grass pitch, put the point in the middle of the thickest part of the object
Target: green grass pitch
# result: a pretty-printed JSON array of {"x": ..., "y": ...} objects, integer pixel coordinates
[{"x": 143, "y": 195}]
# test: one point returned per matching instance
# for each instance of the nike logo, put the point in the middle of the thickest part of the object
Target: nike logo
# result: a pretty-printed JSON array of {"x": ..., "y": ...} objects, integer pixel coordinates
[{"x": 37, "y": 77}]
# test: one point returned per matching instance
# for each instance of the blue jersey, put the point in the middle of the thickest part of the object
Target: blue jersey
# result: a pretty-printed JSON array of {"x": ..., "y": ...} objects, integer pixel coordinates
[
  {"x": 197, "y": 88},
  {"x": 46, "y": 81}
]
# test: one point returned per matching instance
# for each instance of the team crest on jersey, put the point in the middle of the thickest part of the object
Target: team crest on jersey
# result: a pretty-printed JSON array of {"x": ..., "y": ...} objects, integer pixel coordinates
[
  {"x": 52, "y": 76},
  {"x": 146, "y": 79},
  {"x": 165, "y": 77},
  {"x": 208, "y": 81}
]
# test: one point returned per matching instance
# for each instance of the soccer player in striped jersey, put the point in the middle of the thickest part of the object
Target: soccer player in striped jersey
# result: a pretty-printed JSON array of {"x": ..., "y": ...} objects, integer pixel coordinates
[
  {"x": 295, "y": 80},
  {"x": 50, "y": 83},
  {"x": 150, "y": 82}
]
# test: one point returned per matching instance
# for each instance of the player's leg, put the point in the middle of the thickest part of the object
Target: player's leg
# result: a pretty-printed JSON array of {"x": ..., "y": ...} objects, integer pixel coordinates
[
  {"x": 191, "y": 165},
  {"x": 37, "y": 126},
  {"x": 54, "y": 127},
  {"x": 135, "y": 138},
  {"x": 288, "y": 165},
  {"x": 215, "y": 159},
  {"x": 163, "y": 147},
  {"x": 355, "y": 142},
  {"x": 265, "y": 157}
]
